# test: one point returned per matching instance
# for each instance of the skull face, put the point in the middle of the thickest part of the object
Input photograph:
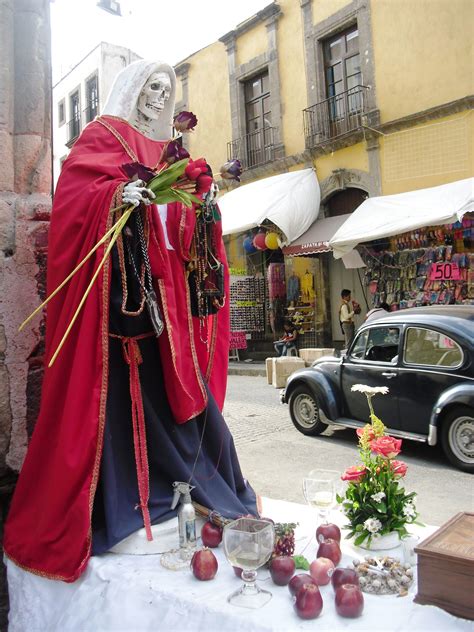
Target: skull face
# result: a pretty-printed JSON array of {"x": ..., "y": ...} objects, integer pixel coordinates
[{"x": 154, "y": 95}]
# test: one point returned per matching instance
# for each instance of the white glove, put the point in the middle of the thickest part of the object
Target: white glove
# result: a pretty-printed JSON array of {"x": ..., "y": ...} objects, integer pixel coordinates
[{"x": 135, "y": 192}]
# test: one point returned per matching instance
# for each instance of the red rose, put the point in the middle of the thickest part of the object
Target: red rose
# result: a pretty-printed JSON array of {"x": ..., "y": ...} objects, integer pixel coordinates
[
  {"x": 194, "y": 168},
  {"x": 370, "y": 433},
  {"x": 203, "y": 183},
  {"x": 387, "y": 447},
  {"x": 399, "y": 468},
  {"x": 354, "y": 474}
]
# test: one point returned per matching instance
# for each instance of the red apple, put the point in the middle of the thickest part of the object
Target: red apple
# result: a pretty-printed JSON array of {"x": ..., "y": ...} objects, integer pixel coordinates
[
  {"x": 238, "y": 571},
  {"x": 325, "y": 531},
  {"x": 298, "y": 580},
  {"x": 282, "y": 569},
  {"x": 349, "y": 601},
  {"x": 308, "y": 602},
  {"x": 204, "y": 564},
  {"x": 344, "y": 576},
  {"x": 321, "y": 570},
  {"x": 211, "y": 535},
  {"x": 330, "y": 549}
]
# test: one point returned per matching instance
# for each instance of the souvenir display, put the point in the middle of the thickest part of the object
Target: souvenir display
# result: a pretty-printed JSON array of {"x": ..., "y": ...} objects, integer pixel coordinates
[{"x": 431, "y": 266}]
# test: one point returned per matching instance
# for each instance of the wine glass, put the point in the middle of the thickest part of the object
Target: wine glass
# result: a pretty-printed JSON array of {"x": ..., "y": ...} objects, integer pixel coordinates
[
  {"x": 248, "y": 544},
  {"x": 319, "y": 488}
]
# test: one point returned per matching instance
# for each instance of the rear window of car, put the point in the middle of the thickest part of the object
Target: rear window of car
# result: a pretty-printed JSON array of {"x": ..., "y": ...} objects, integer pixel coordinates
[{"x": 431, "y": 348}]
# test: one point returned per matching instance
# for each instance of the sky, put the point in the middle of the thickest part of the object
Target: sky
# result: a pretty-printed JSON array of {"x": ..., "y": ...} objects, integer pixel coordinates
[{"x": 167, "y": 30}]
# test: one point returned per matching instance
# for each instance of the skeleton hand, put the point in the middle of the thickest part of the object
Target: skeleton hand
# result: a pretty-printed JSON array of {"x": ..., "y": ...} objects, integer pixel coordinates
[{"x": 135, "y": 192}]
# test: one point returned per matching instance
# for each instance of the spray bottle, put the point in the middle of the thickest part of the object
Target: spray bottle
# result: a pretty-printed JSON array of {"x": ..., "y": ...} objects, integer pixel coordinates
[{"x": 186, "y": 516}]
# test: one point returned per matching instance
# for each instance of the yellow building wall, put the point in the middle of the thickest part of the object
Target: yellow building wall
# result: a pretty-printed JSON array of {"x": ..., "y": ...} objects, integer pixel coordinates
[
  {"x": 354, "y": 157},
  {"x": 179, "y": 90},
  {"x": 251, "y": 44},
  {"x": 427, "y": 155},
  {"x": 208, "y": 89},
  {"x": 423, "y": 53},
  {"x": 322, "y": 9},
  {"x": 291, "y": 62}
]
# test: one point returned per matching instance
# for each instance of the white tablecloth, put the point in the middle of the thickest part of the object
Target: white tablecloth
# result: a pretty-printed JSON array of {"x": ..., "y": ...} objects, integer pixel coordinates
[{"x": 135, "y": 593}]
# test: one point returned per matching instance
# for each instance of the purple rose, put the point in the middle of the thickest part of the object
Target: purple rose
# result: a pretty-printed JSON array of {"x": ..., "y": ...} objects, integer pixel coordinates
[
  {"x": 174, "y": 152},
  {"x": 185, "y": 122},
  {"x": 137, "y": 171},
  {"x": 232, "y": 170}
]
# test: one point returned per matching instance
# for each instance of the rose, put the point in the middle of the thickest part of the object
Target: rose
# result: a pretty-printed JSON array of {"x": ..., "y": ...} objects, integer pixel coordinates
[
  {"x": 387, "y": 447},
  {"x": 354, "y": 474},
  {"x": 137, "y": 171},
  {"x": 174, "y": 152},
  {"x": 366, "y": 432},
  {"x": 231, "y": 170},
  {"x": 399, "y": 468},
  {"x": 195, "y": 168},
  {"x": 185, "y": 122}
]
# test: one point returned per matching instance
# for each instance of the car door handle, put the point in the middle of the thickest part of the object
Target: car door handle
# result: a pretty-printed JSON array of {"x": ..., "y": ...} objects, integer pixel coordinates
[{"x": 389, "y": 374}]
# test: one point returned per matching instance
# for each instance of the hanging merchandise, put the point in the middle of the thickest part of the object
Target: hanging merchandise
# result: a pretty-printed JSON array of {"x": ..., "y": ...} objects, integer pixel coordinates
[
  {"x": 248, "y": 245},
  {"x": 259, "y": 240},
  {"x": 247, "y": 299},
  {"x": 428, "y": 266},
  {"x": 271, "y": 241}
]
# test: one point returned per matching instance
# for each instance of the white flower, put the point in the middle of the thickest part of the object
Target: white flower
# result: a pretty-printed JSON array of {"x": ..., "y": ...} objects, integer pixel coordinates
[
  {"x": 373, "y": 525},
  {"x": 378, "y": 496},
  {"x": 370, "y": 390},
  {"x": 409, "y": 511}
]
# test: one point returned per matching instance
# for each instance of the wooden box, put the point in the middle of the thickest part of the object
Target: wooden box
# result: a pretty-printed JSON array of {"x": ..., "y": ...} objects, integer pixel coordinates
[{"x": 446, "y": 567}]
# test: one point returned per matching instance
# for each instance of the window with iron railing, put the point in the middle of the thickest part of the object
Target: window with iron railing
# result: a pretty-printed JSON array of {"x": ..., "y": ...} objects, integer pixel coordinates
[
  {"x": 341, "y": 112},
  {"x": 74, "y": 124},
  {"x": 92, "y": 99},
  {"x": 256, "y": 146}
]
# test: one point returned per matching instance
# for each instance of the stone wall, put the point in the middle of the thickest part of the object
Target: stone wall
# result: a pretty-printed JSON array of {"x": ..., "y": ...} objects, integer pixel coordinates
[{"x": 25, "y": 202}]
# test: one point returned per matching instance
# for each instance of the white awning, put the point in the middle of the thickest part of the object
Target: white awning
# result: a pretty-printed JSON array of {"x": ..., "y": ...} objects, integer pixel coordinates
[
  {"x": 316, "y": 238},
  {"x": 290, "y": 201},
  {"x": 390, "y": 215}
]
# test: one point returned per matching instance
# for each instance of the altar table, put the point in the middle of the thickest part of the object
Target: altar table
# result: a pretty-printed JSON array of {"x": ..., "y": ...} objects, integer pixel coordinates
[{"x": 133, "y": 593}]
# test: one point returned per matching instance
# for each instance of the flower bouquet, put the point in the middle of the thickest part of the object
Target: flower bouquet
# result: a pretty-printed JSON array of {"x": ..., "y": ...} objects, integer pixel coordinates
[{"x": 375, "y": 502}]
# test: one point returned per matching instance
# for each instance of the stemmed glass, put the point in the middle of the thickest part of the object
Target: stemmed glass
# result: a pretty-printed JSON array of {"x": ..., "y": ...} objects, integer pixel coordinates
[
  {"x": 248, "y": 544},
  {"x": 319, "y": 488}
]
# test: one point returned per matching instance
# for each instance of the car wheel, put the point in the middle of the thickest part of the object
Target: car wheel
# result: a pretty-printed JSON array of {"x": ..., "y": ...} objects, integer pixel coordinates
[
  {"x": 304, "y": 412},
  {"x": 457, "y": 437}
]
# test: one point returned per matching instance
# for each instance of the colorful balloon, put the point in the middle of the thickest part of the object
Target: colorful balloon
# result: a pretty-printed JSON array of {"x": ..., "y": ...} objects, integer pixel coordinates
[
  {"x": 259, "y": 241},
  {"x": 271, "y": 241},
  {"x": 248, "y": 245}
]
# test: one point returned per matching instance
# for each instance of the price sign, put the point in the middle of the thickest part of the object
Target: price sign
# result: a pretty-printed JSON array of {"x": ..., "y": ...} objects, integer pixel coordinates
[
  {"x": 445, "y": 272},
  {"x": 238, "y": 340}
]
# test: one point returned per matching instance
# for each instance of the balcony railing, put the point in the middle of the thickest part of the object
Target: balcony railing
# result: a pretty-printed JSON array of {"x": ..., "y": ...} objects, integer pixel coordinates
[
  {"x": 254, "y": 149},
  {"x": 90, "y": 112},
  {"x": 336, "y": 116}
]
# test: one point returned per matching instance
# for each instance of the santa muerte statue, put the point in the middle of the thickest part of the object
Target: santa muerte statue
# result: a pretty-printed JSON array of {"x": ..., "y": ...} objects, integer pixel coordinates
[{"x": 136, "y": 340}]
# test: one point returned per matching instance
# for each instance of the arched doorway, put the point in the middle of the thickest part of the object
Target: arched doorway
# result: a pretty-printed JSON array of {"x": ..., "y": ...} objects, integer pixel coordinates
[{"x": 338, "y": 203}]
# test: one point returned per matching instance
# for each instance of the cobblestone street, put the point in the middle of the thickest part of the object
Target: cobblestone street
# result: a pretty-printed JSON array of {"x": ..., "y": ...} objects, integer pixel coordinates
[{"x": 274, "y": 456}]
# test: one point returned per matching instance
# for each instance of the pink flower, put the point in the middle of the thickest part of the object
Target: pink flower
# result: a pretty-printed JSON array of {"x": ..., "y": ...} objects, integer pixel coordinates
[
  {"x": 185, "y": 122},
  {"x": 370, "y": 435},
  {"x": 387, "y": 447},
  {"x": 354, "y": 474},
  {"x": 399, "y": 468}
]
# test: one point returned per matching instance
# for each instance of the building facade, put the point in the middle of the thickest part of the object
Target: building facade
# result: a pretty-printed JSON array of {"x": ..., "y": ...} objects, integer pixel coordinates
[
  {"x": 375, "y": 95},
  {"x": 79, "y": 95}
]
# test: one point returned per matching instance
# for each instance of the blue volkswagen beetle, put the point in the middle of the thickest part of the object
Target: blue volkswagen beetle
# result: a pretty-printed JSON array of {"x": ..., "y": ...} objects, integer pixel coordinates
[{"x": 425, "y": 355}]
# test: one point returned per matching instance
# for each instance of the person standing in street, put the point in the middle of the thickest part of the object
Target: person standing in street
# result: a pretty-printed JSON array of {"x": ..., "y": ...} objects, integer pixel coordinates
[{"x": 346, "y": 317}]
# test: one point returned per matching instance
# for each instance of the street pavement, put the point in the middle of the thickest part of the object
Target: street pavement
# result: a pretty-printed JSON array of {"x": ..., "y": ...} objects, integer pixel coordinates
[{"x": 275, "y": 457}]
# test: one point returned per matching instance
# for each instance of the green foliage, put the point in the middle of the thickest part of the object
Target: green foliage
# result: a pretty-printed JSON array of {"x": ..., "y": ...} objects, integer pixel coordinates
[{"x": 301, "y": 562}]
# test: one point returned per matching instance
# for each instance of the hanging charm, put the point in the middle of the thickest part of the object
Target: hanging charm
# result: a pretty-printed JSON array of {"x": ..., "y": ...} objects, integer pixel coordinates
[{"x": 154, "y": 312}]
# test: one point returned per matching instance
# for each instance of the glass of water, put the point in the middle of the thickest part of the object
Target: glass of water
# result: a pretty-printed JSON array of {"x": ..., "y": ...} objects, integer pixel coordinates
[{"x": 319, "y": 489}]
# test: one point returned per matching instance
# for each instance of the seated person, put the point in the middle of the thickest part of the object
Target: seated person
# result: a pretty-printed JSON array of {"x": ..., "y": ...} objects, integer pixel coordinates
[{"x": 287, "y": 340}]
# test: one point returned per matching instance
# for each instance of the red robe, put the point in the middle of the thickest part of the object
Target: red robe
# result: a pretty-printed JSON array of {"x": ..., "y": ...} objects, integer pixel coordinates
[{"x": 48, "y": 530}]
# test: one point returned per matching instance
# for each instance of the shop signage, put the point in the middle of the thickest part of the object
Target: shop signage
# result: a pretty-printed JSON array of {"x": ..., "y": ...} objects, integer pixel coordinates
[
  {"x": 238, "y": 340},
  {"x": 445, "y": 272}
]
